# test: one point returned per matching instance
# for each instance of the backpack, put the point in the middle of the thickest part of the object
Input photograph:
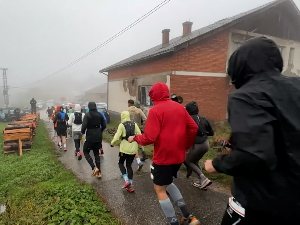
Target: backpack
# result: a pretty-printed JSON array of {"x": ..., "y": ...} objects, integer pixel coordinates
[
  {"x": 201, "y": 127},
  {"x": 78, "y": 118},
  {"x": 129, "y": 128},
  {"x": 62, "y": 115}
]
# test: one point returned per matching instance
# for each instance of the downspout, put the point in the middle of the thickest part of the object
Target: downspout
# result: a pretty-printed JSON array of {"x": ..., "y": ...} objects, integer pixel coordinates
[{"x": 106, "y": 89}]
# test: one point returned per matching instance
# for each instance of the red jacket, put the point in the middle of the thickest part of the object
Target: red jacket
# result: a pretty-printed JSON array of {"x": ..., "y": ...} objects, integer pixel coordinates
[{"x": 169, "y": 127}]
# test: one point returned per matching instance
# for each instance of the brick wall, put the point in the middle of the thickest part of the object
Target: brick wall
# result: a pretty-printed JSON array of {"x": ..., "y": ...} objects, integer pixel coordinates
[
  {"x": 211, "y": 94},
  {"x": 208, "y": 55}
]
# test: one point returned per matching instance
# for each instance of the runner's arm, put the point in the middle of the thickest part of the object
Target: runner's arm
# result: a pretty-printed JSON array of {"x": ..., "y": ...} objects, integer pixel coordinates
[
  {"x": 191, "y": 131},
  {"x": 143, "y": 116},
  {"x": 118, "y": 135},
  {"x": 84, "y": 124},
  {"x": 252, "y": 139},
  {"x": 103, "y": 123}
]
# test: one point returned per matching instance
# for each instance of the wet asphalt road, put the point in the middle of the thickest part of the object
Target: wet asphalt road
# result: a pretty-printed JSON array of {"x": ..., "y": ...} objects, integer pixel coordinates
[{"x": 141, "y": 207}]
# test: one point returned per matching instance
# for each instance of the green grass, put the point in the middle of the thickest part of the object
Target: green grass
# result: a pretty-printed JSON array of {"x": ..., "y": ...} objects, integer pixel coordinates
[
  {"x": 221, "y": 131},
  {"x": 39, "y": 190}
]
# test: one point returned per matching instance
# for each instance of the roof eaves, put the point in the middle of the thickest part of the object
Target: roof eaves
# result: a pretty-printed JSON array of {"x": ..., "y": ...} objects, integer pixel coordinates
[{"x": 136, "y": 61}]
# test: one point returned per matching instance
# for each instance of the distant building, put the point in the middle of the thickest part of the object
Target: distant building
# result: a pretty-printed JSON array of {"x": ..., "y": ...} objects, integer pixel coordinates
[
  {"x": 194, "y": 65},
  {"x": 97, "y": 94}
]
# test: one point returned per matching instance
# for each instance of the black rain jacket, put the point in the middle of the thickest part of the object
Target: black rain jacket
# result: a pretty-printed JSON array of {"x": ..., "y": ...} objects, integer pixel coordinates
[
  {"x": 264, "y": 114},
  {"x": 93, "y": 124},
  {"x": 204, "y": 127}
]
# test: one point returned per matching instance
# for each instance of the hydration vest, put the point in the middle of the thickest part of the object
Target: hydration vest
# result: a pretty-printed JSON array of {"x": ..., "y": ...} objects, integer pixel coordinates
[
  {"x": 129, "y": 128},
  {"x": 78, "y": 118}
]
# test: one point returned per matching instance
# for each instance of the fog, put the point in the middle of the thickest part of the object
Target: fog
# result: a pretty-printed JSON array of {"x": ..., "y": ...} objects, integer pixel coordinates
[{"x": 39, "y": 37}]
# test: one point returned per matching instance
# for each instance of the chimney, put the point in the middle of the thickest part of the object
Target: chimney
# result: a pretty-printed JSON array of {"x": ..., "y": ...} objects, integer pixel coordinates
[
  {"x": 165, "y": 36},
  {"x": 187, "y": 28}
]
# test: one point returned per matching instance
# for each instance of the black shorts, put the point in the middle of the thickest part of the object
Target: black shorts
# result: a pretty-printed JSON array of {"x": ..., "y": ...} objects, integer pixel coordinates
[
  {"x": 61, "y": 131},
  {"x": 163, "y": 174}
]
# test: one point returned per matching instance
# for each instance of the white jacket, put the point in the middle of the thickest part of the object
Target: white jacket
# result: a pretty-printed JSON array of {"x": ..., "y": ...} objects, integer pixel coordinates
[{"x": 75, "y": 127}]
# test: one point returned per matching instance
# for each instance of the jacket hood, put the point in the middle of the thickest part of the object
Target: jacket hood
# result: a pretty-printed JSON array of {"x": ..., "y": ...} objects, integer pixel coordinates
[
  {"x": 137, "y": 104},
  {"x": 92, "y": 106},
  {"x": 192, "y": 108},
  {"x": 254, "y": 57},
  {"x": 159, "y": 92},
  {"x": 125, "y": 116},
  {"x": 77, "y": 108}
]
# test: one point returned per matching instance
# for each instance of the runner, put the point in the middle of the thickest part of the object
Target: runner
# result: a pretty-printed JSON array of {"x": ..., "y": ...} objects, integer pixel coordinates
[
  {"x": 138, "y": 117},
  {"x": 172, "y": 131},
  {"x": 127, "y": 150},
  {"x": 101, "y": 151},
  {"x": 201, "y": 146},
  {"x": 75, "y": 122},
  {"x": 33, "y": 106},
  {"x": 52, "y": 118},
  {"x": 265, "y": 130},
  {"x": 69, "y": 112},
  {"x": 49, "y": 112},
  {"x": 60, "y": 120},
  {"x": 93, "y": 124}
]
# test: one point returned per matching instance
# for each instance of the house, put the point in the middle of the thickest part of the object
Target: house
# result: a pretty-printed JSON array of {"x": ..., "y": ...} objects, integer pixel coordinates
[
  {"x": 97, "y": 94},
  {"x": 194, "y": 65}
]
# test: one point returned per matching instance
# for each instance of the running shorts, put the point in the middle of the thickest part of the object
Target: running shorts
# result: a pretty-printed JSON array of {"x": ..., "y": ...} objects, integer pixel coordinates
[
  {"x": 77, "y": 135},
  {"x": 163, "y": 174},
  {"x": 61, "y": 131}
]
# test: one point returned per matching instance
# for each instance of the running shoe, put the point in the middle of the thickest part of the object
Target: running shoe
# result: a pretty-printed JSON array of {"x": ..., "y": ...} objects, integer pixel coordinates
[
  {"x": 99, "y": 176},
  {"x": 203, "y": 184},
  {"x": 60, "y": 147},
  {"x": 101, "y": 152},
  {"x": 190, "y": 221},
  {"x": 75, "y": 153},
  {"x": 140, "y": 166},
  {"x": 130, "y": 189},
  {"x": 95, "y": 172},
  {"x": 79, "y": 156},
  {"x": 126, "y": 185},
  {"x": 65, "y": 149}
]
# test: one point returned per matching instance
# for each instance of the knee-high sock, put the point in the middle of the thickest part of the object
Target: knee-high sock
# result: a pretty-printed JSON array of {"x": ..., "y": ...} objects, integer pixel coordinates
[
  {"x": 169, "y": 211},
  {"x": 177, "y": 197}
]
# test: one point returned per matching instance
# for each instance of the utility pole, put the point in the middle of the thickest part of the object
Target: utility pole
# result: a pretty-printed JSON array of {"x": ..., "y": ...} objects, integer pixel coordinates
[{"x": 5, "y": 87}]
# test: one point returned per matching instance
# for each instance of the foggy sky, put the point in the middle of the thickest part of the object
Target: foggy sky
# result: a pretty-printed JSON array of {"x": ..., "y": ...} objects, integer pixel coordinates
[{"x": 38, "y": 37}]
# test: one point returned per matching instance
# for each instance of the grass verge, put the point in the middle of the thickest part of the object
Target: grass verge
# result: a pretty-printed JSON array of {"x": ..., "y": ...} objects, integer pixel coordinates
[
  {"x": 221, "y": 132},
  {"x": 39, "y": 190}
]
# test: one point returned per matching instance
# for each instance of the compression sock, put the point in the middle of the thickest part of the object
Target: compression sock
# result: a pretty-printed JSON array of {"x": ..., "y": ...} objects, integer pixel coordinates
[
  {"x": 169, "y": 211},
  {"x": 138, "y": 160},
  {"x": 65, "y": 145},
  {"x": 125, "y": 177},
  {"x": 130, "y": 180},
  {"x": 177, "y": 197},
  {"x": 59, "y": 143}
]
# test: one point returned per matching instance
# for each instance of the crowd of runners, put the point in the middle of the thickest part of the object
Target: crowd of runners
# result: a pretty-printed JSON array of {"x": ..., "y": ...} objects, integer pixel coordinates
[{"x": 264, "y": 157}]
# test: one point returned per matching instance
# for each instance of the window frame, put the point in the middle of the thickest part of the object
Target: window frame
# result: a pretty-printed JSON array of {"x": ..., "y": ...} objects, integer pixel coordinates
[{"x": 140, "y": 96}]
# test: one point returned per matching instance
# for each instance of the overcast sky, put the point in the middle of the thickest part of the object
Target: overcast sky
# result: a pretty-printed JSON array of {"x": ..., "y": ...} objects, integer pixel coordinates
[{"x": 38, "y": 37}]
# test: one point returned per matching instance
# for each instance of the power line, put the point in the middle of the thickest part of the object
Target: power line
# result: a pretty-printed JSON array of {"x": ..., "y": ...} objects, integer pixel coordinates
[{"x": 106, "y": 42}]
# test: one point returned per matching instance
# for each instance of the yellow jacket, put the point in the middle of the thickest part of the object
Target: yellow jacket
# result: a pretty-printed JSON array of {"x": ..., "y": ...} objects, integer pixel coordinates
[{"x": 125, "y": 146}]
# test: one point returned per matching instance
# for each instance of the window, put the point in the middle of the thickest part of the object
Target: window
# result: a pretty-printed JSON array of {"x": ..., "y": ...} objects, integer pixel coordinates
[
  {"x": 144, "y": 97},
  {"x": 291, "y": 56}
]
